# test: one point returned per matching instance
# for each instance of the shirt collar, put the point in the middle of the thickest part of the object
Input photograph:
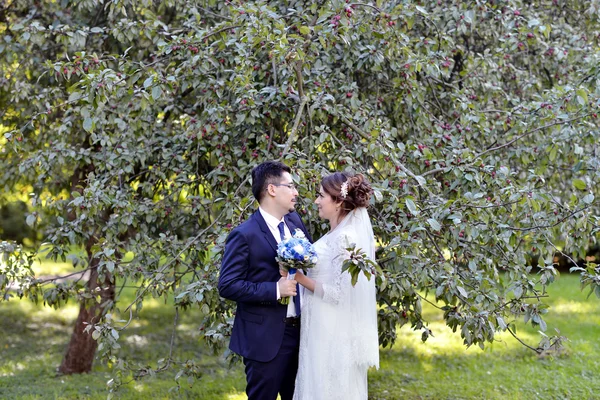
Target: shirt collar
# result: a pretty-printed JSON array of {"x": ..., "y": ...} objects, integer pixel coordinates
[{"x": 271, "y": 221}]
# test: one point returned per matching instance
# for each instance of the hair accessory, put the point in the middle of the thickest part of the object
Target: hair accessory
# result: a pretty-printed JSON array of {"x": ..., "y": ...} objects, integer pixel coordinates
[{"x": 344, "y": 189}]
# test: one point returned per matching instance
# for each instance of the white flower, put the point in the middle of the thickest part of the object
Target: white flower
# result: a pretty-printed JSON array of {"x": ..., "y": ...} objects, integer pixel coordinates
[
  {"x": 298, "y": 233},
  {"x": 344, "y": 190},
  {"x": 299, "y": 249}
]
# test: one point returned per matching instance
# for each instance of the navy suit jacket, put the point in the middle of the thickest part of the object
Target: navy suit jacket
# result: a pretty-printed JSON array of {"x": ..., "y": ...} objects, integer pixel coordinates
[{"x": 249, "y": 275}]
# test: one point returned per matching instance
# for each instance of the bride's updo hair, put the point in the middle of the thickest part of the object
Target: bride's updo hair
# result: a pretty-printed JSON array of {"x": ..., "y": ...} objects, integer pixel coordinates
[{"x": 359, "y": 190}]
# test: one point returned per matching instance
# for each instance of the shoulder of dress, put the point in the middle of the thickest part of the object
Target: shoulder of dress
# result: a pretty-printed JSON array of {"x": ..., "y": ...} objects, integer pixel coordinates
[
  {"x": 342, "y": 240},
  {"x": 348, "y": 234}
]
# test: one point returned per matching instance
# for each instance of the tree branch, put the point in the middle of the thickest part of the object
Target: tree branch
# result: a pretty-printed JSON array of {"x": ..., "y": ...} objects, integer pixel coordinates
[
  {"x": 529, "y": 133},
  {"x": 522, "y": 342},
  {"x": 288, "y": 144}
]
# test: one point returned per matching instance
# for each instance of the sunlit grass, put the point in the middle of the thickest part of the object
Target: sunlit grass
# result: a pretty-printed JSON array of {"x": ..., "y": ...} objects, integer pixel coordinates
[
  {"x": 44, "y": 266},
  {"x": 67, "y": 313},
  {"x": 443, "y": 368}
]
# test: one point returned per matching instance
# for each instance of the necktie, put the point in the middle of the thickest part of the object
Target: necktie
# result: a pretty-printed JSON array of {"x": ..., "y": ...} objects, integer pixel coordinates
[{"x": 296, "y": 299}]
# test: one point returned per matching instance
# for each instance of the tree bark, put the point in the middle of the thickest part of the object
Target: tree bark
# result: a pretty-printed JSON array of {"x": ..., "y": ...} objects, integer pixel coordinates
[{"x": 82, "y": 347}]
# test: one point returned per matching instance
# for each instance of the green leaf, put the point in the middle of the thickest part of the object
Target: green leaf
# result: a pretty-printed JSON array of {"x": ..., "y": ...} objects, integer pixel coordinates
[
  {"x": 305, "y": 30},
  {"x": 156, "y": 92},
  {"x": 88, "y": 124},
  {"x": 501, "y": 322},
  {"x": 30, "y": 220},
  {"x": 518, "y": 291},
  {"x": 378, "y": 195},
  {"x": 412, "y": 208},
  {"x": 148, "y": 82},
  {"x": 74, "y": 97},
  {"x": 421, "y": 10},
  {"x": 434, "y": 224},
  {"x": 588, "y": 199},
  {"x": 579, "y": 184},
  {"x": 582, "y": 94}
]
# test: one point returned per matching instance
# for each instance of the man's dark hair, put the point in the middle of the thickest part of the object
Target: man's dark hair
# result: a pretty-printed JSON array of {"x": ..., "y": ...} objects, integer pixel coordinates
[{"x": 264, "y": 174}]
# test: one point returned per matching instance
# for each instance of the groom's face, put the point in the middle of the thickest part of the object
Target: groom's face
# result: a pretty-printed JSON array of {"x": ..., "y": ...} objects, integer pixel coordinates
[{"x": 285, "y": 192}]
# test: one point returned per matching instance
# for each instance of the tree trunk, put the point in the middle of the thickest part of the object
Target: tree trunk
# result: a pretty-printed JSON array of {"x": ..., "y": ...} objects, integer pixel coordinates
[{"x": 82, "y": 347}]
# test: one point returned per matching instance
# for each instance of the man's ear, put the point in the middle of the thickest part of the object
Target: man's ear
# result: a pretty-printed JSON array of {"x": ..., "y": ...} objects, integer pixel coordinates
[{"x": 271, "y": 190}]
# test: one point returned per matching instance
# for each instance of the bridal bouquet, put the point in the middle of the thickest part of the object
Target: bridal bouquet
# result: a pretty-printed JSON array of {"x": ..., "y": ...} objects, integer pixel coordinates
[
  {"x": 359, "y": 262},
  {"x": 293, "y": 253}
]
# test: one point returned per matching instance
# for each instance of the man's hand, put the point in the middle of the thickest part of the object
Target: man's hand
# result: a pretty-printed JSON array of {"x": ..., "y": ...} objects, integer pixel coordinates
[{"x": 287, "y": 287}]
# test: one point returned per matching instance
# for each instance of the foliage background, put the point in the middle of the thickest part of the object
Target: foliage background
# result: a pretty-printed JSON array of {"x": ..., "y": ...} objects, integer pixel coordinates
[{"x": 131, "y": 127}]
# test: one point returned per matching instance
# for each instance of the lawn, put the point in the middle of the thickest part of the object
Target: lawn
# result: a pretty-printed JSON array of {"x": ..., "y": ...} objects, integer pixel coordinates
[{"x": 33, "y": 339}]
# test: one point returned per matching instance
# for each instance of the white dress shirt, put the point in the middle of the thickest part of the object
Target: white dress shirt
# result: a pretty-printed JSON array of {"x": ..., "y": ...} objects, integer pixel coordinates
[{"x": 272, "y": 223}]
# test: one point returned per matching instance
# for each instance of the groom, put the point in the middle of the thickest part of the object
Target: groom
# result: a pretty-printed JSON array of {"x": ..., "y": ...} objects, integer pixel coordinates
[{"x": 265, "y": 333}]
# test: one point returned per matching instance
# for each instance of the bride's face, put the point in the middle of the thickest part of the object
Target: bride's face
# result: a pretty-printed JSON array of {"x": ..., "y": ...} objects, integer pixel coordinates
[{"x": 328, "y": 208}]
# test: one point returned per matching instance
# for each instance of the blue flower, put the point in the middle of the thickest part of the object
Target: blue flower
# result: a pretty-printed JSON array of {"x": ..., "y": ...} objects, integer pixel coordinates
[{"x": 296, "y": 252}]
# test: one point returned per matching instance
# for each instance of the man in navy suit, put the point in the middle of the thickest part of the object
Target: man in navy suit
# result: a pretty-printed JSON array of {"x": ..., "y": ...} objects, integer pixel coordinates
[{"x": 265, "y": 333}]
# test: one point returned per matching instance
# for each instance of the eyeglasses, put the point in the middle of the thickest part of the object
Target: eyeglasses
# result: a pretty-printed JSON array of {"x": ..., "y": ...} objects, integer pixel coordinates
[{"x": 290, "y": 186}]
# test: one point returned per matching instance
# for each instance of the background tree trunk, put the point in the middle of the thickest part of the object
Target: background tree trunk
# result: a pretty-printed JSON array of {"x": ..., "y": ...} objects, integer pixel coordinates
[{"x": 82, "y": 347}]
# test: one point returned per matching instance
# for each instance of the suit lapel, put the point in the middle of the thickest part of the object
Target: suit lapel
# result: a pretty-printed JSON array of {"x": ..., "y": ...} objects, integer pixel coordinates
[
  {"x": 290, "y": 224},
  {"x": 265, "y": 229}
]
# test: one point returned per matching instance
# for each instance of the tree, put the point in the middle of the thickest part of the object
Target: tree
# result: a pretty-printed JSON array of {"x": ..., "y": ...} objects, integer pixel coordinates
[{"x": 135, "y": 125}]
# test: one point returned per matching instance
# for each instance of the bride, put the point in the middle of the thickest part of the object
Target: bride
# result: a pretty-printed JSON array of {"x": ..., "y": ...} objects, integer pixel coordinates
[{"x": 338, "y": 337}]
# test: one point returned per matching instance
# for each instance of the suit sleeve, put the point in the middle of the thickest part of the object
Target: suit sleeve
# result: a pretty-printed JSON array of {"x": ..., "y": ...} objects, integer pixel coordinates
[{"x": 235, "y": 268}]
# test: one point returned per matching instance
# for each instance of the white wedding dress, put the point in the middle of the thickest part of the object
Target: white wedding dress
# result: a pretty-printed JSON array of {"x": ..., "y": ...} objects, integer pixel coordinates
[{"x": 338, "y": 336}]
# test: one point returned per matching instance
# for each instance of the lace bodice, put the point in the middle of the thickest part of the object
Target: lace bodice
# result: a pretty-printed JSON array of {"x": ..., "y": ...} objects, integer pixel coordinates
[{"x": 331, "y": 252}]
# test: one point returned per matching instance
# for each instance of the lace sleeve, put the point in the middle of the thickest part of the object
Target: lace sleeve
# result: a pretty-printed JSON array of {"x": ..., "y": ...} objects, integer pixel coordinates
[{"x": 332, "y": 290}]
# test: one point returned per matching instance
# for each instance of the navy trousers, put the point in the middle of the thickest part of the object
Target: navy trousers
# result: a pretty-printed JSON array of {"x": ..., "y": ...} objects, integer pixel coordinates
[{"x": 265, "y": 379}]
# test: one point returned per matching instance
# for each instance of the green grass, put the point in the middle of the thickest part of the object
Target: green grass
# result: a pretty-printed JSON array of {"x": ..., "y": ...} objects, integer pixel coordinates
[
  {"x": 33, "y": 340},
  {"x": 442, "y": 368}
]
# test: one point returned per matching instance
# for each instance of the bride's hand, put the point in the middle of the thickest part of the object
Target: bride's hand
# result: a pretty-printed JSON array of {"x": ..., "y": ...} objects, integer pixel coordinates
[
  {"x": 283, "y": 272},
  {"x": 305, "y": 280},
  {"x": 299, "y": 277}
]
